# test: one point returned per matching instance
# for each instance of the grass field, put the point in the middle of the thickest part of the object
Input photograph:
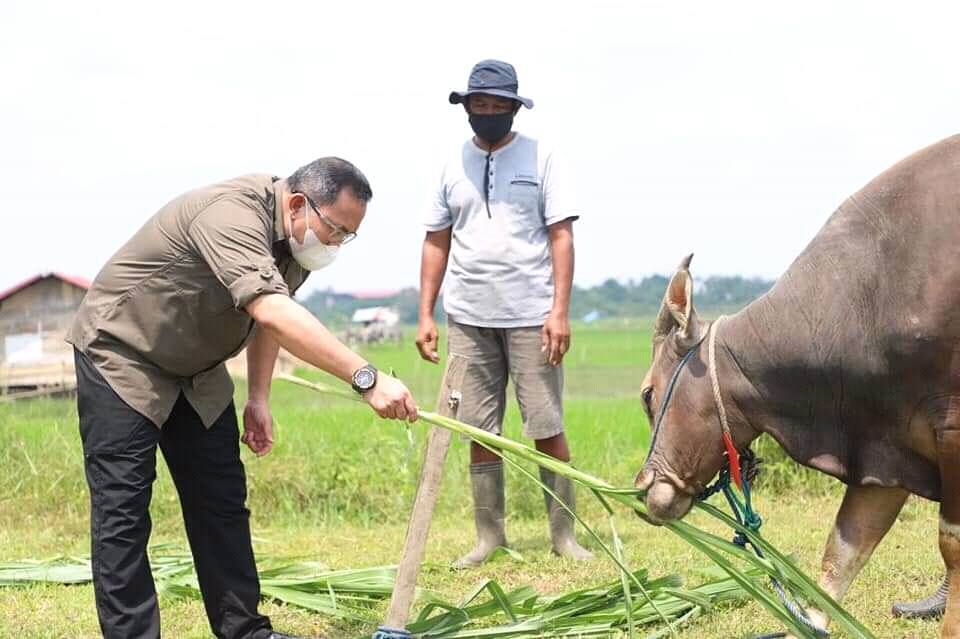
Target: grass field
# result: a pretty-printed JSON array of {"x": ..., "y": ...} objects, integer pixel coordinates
[{"x": 338, "y": 486}]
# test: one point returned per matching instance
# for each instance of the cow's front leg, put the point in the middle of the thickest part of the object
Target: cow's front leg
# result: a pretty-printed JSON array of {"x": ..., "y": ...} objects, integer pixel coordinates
[
  {"x": 948, "y": 453},
  {"x": 865, "y": 516}
]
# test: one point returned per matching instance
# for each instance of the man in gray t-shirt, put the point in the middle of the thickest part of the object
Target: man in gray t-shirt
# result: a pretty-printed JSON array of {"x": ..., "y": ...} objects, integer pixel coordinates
[{"x": 501, "y": 225}]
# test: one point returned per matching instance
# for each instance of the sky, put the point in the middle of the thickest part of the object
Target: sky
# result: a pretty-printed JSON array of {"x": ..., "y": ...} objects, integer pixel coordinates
[{"x": 730, "y": 130}]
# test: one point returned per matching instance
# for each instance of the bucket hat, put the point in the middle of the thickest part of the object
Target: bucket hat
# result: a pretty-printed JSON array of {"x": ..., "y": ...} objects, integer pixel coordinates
[{"x": 492, "y": 77}]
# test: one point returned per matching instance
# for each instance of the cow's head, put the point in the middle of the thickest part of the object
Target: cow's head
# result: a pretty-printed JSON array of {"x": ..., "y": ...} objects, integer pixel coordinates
[{"x": 686, "y": 448}]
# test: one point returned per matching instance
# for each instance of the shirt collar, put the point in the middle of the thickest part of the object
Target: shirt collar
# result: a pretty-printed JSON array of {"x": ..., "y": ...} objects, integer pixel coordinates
[
  {"x": 503, "y": 149},
  {"x": 278, "y": 232}
]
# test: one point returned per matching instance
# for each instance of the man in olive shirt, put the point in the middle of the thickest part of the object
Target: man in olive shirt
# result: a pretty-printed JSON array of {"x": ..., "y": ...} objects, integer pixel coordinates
[{"x": 212, "y": 272}]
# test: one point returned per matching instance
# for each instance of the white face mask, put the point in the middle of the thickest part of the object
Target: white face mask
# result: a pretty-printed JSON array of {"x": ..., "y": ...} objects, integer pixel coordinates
[{"x": 312, "y": 254}]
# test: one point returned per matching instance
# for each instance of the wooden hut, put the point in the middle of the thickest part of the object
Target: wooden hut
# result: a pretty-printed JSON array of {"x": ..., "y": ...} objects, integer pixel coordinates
[{"x": 34, "y": 317}]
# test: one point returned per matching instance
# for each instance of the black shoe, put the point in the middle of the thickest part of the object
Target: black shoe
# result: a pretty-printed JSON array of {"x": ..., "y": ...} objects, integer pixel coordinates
[
  {"x": 281, "y": 635},
  {"x": 929, "y": 608}
]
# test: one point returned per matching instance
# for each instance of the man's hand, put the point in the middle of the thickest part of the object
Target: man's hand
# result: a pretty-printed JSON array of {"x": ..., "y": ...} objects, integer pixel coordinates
[
  {"x": 427, "y": 340},
  {"x": 555, "y": 337},
  {"x": 391, "y": 399},
  {"x": 257, "y": 427}
]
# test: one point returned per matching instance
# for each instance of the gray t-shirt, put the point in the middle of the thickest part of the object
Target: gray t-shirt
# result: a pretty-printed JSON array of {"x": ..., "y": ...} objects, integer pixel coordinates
[{"x": 500, "y": 272}]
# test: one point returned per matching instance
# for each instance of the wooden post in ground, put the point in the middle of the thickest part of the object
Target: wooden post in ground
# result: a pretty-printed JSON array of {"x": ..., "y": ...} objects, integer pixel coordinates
[{"x": 405, "y": 584}]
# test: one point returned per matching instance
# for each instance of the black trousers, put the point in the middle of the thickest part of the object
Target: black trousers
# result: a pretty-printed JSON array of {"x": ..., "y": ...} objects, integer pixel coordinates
[{"x": 120, "y": 452}]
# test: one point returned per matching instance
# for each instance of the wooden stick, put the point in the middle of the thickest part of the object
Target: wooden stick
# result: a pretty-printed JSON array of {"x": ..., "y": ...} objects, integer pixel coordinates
[{"x": 405, "y": 585}]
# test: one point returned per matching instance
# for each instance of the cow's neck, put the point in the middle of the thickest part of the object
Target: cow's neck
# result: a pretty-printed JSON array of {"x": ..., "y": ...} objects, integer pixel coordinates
[{"x": 780, "y": 381}]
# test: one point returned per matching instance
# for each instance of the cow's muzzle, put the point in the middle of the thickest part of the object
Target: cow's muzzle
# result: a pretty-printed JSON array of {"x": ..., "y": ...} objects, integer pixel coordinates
[{"x": 663, "y": 499}]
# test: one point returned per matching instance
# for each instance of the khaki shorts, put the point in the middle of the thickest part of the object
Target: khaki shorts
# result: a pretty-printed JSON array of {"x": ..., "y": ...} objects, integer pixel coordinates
[{"x": 495, "y": 354}]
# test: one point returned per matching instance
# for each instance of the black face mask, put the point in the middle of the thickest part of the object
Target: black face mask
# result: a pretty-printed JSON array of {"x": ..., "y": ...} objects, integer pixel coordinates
[{"x": 493, "y": 127}]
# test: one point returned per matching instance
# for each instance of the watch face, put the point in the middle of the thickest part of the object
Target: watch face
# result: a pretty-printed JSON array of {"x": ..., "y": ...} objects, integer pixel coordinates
[{"x": 364, "y": 378}]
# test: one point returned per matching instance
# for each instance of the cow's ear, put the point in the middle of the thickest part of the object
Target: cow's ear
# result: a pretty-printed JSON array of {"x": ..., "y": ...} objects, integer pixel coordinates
[{"x": 679, "y": 299}]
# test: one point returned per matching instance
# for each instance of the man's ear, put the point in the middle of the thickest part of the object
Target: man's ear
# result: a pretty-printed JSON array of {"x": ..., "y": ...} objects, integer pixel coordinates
[{"x": 297, "y": 204}]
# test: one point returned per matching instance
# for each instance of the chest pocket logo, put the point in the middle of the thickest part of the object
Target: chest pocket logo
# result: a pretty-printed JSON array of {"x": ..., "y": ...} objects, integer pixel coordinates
[{"x": 525, "y": 194}]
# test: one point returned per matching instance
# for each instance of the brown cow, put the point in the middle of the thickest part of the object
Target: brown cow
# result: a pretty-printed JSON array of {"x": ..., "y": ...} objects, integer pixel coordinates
[{"x": 851, "y": 362}]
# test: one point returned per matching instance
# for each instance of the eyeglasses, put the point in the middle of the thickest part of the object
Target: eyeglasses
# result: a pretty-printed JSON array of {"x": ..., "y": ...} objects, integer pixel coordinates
[{"x": 338, "y": 234}]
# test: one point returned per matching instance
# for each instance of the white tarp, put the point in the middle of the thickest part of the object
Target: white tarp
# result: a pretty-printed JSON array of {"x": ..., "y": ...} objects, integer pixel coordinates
[
  {"x": 24, "y": 348},
  {"x": 380, "y": 314}
]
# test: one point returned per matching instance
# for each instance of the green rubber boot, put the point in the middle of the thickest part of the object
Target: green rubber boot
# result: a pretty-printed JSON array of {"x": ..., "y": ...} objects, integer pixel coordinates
[
  {"x": 488, "y": 507},
  {"x": 932, "y": 606},
  {"x": 561, "y": 522}
]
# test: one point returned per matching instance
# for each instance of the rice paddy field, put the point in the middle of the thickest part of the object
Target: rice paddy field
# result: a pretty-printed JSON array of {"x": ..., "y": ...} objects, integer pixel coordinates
[{"x": 338, "y": 486}]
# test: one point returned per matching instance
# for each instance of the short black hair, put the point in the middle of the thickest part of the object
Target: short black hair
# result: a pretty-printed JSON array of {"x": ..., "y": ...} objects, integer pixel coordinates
[{"x": 323, "y": 179}]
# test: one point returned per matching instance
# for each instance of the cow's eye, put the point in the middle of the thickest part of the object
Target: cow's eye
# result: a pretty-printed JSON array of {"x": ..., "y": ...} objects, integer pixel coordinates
[{"x": 647, "y": 395}]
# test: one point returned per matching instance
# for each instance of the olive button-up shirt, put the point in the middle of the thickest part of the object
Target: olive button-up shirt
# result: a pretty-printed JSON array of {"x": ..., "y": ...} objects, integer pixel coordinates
[{"x": 167, "y": 310}]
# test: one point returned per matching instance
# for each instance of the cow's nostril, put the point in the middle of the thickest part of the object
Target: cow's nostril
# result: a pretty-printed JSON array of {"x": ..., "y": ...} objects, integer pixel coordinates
[{"x": 644, "y": 479}]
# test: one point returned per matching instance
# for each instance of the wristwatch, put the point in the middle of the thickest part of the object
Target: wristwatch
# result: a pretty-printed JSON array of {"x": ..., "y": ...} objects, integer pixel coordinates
[{"x": 364, "y": 378}]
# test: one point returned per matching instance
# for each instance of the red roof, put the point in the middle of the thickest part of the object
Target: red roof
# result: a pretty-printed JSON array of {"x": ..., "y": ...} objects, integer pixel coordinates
[{"x": 76, "y": 280}]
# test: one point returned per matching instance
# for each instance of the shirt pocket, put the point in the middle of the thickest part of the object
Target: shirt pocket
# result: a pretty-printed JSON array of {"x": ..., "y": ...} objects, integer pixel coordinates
[{"x": 525, "y": 194}]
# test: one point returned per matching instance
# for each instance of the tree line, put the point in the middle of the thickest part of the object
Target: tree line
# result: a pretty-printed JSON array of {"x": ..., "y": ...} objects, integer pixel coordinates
[{"x": 612, "y": 298}]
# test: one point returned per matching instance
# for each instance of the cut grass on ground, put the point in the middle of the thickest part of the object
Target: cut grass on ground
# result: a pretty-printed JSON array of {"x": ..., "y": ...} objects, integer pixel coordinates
[{"x": 905, "y": 565}]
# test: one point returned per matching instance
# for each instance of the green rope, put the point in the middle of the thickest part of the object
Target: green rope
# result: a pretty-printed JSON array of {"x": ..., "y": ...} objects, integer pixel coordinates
[
  {"x": 750, "y": 519},
  {"x": 742, "y": 510}
]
